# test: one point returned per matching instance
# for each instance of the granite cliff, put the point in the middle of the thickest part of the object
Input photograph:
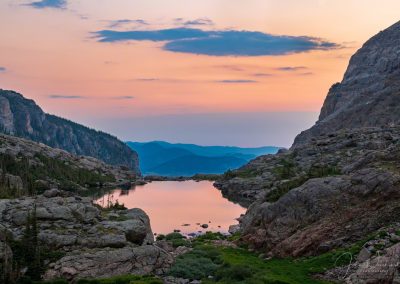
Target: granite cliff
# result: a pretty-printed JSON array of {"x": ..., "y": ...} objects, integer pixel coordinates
[
  {"x": 369, "y": 94},
  {"x": 340, "y": 181},
  {"x": 24, "y": 118}
]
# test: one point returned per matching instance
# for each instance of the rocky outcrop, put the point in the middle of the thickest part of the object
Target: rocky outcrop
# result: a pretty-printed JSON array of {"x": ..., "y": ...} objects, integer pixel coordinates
[
  {"x": 326, "y": 194},
  {"x": 377, "y": 262},
  {"x": 94, "y": 242},
  {"x": 23, "y": 118},
  {"x": 26, "y": 163},
  {"x": 369, "y": 94},
  {"x": 340, "y": 181}
]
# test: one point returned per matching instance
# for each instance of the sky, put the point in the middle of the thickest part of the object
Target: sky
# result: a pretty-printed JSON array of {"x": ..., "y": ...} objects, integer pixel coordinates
[{"x": 211, "y": 72}]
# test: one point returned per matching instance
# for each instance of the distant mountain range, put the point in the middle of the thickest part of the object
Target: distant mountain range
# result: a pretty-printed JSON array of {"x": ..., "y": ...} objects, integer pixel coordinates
[{"x": 163, "y": 158}]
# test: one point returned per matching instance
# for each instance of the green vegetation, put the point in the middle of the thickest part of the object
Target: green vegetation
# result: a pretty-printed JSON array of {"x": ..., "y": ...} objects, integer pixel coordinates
[
  {"x": 26, "y": 253},
  {"x": 286, "y": 169},
  {"x": 177, "y": 239},
  {"x": 315, "y": 171},
  {"x": 208, "y": 177},
  {"x": 237, "y": 265},
  {"x": 199, "y": 263},
  {"x": 124, "y": 279},
  {"x": 241, "y": 173},
  {"x": 45, "y": 168}
]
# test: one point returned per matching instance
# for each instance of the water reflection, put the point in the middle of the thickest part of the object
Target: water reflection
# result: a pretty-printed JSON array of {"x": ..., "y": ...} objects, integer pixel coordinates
[{"x": 184, "y": 206}]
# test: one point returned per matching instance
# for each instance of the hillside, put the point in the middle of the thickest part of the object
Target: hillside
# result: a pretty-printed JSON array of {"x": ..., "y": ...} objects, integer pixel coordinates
[
  {"x": 339, "y": 184},
  {"x": 163, "y": 158},
  {"x": 29, "y": 168},
  {"x": 24, "y": 118}
]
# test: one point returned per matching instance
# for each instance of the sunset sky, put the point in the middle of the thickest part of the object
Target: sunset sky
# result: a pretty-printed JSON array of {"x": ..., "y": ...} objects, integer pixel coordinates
[{"x": 221, "y": 72}]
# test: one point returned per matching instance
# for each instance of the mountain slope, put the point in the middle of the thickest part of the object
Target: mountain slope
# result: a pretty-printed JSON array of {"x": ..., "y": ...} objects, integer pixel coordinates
[
  {"x": 23, "y": 118},
  {"x": 340, "y": 182},
  {"x": 217, "y": 151},
  {"x": 154, "y": 154},
  {"x": 163, "y": 158},
  {"x": 193, "y": 164},
  {"x": 27, "y": 168},
  {"x": 369, "y": 95}
]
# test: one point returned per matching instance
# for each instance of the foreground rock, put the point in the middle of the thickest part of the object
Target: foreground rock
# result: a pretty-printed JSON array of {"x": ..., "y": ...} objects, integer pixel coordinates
[
  {"x": 341, "y": 179},
  {"x": 95, "y": 243},
  {"x": 377, "y": 262}
]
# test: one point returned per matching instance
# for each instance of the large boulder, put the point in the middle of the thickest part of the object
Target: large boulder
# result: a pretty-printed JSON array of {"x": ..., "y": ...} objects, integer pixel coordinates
[{"x": 96, "y": 243}]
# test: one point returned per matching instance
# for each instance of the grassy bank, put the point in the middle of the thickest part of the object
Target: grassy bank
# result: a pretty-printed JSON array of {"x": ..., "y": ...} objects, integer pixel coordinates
[{"x": 238, "y": 265}]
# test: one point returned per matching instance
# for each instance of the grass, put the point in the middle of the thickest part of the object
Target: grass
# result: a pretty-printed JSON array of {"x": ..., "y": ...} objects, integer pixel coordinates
[
  {"x": 124, "y": 279},
  {"x": 296, "y": 181},
  {"x": 238, "y": 265}
]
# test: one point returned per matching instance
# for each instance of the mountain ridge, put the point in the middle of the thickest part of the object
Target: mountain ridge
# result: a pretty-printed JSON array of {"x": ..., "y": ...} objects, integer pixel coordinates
[
  {"x": 365, "y": 97},
  {"x": 339, "y": 183},
  {"x": 163, "y": 158},
  {"x": 24, "y": 118}
]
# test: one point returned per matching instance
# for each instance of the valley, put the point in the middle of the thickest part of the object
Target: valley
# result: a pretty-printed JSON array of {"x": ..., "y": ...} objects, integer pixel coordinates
[{"x": 80, "y": 206}]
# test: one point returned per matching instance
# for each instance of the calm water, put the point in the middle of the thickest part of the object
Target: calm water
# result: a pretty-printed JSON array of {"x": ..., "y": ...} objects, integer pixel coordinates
[{"x": 181, "y": 206}]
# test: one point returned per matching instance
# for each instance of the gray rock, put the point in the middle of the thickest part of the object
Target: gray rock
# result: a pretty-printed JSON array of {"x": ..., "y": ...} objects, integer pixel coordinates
[
  {"x": 379, "y": 269},
  {"x": 110, "y": 262},
  {"x": 340, "y": 180},
  {"x": 368, "y": 94},
  {"x": 94, "y": 245}
]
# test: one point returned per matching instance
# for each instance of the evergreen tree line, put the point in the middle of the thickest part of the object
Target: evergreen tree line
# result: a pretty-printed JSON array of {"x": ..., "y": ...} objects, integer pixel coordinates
[
  {"x": 25, "y": 264},
  {"x": 67, "y": 176}
]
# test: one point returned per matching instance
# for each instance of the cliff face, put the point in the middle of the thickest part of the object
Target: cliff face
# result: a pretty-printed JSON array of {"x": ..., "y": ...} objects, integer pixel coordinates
[
  {"x": 23, "y": 118},
  {"x": 369, "y": 95},
  {"x": 340, "y": 182}
]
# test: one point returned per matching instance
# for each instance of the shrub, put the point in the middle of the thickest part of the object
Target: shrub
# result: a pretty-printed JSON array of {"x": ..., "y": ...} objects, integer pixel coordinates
[
  {"x": 238, "y": 272},
  {"x": 201, "y": 262},
  {"x": 174, "y": 236}
]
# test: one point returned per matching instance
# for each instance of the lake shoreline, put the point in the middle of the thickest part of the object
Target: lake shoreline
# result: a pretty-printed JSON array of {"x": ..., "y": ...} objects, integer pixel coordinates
[{"x": 178, "y": 206}]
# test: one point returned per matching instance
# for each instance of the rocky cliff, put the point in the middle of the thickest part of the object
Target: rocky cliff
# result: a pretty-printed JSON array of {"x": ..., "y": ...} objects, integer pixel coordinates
[
  {"x": 24, "y": 118},
  {"x": 369, "y": 94},
  {"x": 340, "y": 182}
]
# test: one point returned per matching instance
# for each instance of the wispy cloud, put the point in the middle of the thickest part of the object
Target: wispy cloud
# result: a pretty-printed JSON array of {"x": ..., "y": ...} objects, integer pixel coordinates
[
  {"x": 123, "y": 98},
  {"x": 196, "y": 22},
  {"x": 230, "y": 67},
  {"x": 65, "y": 97},
  {"x": 262, "y": 75},
  {"x": 220, "y": 43},
  {"x": 147, "y": 79},
  {"x": 238, "y": 81},
  {"x": 3, "y": 69},
  {"x": 56, "y": 4},
  {"x": 118, "y": 23},
  {"x": 306, "y": 74},
  {"x": 291, "y": 68}
]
